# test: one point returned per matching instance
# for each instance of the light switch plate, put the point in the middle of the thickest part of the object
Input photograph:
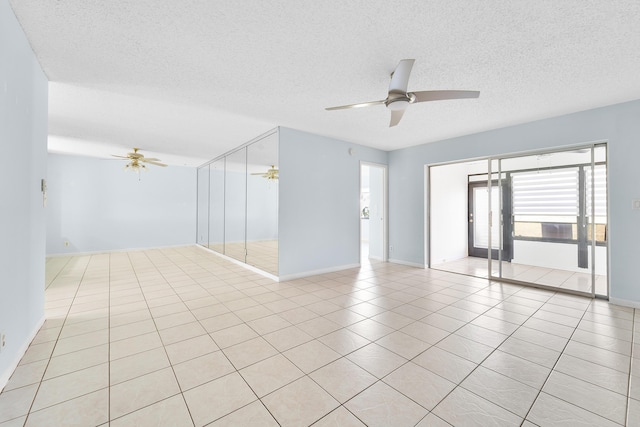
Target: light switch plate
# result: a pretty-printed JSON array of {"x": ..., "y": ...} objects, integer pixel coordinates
[{"x": 635, "y": 204}]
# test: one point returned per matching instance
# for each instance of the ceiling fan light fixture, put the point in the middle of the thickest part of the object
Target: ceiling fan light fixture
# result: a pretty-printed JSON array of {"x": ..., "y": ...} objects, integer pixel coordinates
[
  {"x": 138, "y": 162},
  {"x": 135, "y": 167}
]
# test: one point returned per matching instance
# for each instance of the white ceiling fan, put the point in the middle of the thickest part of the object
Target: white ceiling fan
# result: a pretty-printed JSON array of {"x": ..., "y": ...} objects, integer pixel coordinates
[{"x": 399, "y": 99}]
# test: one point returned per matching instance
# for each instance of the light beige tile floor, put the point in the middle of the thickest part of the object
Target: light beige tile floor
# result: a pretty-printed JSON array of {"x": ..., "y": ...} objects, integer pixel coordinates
[{"x": 181, "y": 337}]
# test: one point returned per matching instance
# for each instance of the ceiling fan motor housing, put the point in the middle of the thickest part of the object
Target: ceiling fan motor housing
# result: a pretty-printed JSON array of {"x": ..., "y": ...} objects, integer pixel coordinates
[{"x": 399, "y": 101}]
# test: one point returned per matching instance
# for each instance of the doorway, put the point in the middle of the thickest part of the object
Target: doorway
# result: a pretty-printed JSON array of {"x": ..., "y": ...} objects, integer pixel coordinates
[
  {"x": 538, "y": 219},
  {"x": 479, "y": 208},
  {"x": 373, "y": 212}
]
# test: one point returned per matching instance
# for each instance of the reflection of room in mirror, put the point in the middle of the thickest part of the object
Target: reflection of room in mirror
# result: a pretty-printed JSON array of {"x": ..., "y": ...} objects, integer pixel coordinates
[
  {"x": 238, "y": 204},
  {"x": 264, "y": 255},
  {"x": 218, "y": 247},
  {"x": 215, "y": 205},
  {"x": 235, "y": 203},
  {"x": 202, "y": 223},
  {"x": 262, "y": 204}
]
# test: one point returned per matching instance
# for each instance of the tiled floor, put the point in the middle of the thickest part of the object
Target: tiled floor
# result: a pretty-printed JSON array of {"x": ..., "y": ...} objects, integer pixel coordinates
[
  {"x": 562, "y": 279},
  {"x": 180, "y": 337}
]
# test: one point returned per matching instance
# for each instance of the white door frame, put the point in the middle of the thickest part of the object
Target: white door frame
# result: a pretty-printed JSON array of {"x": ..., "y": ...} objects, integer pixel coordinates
[{"x": 385, "y": 208}]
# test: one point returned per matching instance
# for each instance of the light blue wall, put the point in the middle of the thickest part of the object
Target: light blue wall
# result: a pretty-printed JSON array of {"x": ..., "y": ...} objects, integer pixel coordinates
[
  {"x": 96, "y": 206},
  {"x": 319, "y": 201},
  {"x": 23, "y": 140},
  {"x": 617, "y": 124}
]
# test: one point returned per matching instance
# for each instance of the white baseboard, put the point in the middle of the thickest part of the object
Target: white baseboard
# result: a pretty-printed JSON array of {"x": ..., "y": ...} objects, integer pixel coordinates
[
  {"x": 316, "y": 272},
  {"x": 624, "y": 302},
  {"x": 4, "y": 378},
  {"x": 118, "y": 250},
  {"x": 410, "y": 264}
]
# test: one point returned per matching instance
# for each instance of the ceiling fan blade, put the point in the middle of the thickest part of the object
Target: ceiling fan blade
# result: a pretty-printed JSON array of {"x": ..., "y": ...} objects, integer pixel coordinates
[
  {"x": 395, "y": 117},
  {"x": 154, "y": 163},
  {"x": 400, "y": 76},
  {"x": 439, "y": 95},
  {"x": 121, "y": 157},
  {"x": 362, "y": 104},
  {"x": 153, "y": 159}
]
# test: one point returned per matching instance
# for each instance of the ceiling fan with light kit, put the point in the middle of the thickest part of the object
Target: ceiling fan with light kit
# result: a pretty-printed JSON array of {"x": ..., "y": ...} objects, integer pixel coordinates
[
  {"x": 398, "y": 99},
  {"x": 138, "y": 162},
  {"x": 271, "y": 173}
]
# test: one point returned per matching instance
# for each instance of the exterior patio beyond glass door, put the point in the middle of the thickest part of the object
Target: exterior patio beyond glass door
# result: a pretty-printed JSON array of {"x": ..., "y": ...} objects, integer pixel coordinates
[{"x": 555, "y": 220}]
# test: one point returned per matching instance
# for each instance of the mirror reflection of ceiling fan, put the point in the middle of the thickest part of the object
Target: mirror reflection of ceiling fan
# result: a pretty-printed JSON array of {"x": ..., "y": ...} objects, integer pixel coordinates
[
  {"x": 271, "y": 173},
  {"x": 138, "y": 161},
  {"x": 398, "y": 99}
]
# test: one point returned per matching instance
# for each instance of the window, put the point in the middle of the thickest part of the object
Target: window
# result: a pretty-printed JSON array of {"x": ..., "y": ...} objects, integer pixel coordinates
[
  {"x": 546, "y": 193},
  {"x": 546, "y": 203}
]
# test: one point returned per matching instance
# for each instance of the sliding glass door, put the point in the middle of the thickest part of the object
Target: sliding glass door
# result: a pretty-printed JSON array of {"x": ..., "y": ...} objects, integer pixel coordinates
[
  {"x": 535, "y": 219},
  {"x": 555, "y": 223}
]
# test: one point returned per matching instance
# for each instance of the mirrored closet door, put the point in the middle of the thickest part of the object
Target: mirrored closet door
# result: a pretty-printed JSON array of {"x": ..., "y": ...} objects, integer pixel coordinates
[
  {"x": 238, "y": 203},
  {"x": 262, "y": 204}
]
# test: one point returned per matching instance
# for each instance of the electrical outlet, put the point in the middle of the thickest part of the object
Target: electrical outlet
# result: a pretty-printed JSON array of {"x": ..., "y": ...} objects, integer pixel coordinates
[{"x": 390, "y": 248}]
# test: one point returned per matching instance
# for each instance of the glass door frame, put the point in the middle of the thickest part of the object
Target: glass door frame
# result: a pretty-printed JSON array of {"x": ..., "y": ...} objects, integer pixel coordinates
[
  {"x": 592, "y": 146},
  {"x": 507, "y": 244},
  {"x": 586, "y": 217}
]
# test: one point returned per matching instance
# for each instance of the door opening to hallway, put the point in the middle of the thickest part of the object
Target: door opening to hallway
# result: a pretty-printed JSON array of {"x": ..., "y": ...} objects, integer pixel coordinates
[{"x": 373, "y": 212}]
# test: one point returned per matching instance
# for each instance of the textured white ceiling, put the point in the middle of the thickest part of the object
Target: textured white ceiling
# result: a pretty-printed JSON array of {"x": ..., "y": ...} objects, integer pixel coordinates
[{"x": 193, "y": 79}]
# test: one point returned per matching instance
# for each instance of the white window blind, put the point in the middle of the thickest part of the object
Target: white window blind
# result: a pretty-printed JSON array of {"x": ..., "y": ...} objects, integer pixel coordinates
[{"x": 548, "y": 192}]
